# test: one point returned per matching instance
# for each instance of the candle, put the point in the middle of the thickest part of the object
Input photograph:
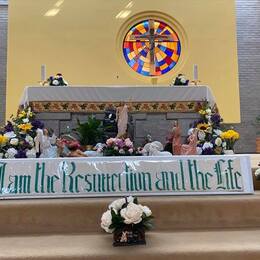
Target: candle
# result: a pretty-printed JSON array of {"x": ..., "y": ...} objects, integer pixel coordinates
[
  {"x": 195, "y": 72},
  {"x": 43, "y": 72}
]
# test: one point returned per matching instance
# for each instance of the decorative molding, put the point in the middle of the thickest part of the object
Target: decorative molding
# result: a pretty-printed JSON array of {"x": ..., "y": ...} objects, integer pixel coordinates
[{"x": 100, "y": 107}]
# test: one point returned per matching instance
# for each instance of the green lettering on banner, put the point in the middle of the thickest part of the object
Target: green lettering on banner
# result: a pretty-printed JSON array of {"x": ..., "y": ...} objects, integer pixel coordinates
[
  {"x": 89, "y": 187},
  {"x": 2, "y": 177},
  {"x": 13, "y": 184},
  {"x": 24, "y": 184},
  {"x": 160, "y": 183},
  {"x": 50, "y": 183}
]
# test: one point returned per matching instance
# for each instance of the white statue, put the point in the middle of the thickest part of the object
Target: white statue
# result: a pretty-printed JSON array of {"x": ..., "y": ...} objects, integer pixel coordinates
[
  {"x": 45, "y": 144},
  {"x": 155, "y": 149},
  {"x": 122, "y": 120}
]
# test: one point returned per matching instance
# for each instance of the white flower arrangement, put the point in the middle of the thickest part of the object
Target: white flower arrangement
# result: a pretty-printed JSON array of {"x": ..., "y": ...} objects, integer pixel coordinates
[
  {"x": 127, "y": 211},
  {"x": 180, "y": 80}
]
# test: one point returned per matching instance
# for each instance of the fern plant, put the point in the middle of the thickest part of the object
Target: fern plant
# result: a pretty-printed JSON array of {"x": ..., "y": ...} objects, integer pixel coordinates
[{"x": 89, "y": 132}]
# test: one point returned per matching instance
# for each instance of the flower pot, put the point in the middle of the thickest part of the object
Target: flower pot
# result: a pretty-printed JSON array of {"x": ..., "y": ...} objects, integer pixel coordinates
[
  {"x": 228, "y": 152},
  {"x": 129, "y": 235}
]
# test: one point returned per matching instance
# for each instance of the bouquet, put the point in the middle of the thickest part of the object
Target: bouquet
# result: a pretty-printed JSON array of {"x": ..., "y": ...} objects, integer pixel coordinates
[
  {"x": 119, "y": 147},
  {"x": 212, "y": 139},
  {"x": 17, "y": 136},
  {"x": 180, "y": 80},
  {"x": 209, "y": 131},
  {"x": 230, "y": 137},
  {"x": 128, "y": 220},
  {"x": 57, "y": 80}
]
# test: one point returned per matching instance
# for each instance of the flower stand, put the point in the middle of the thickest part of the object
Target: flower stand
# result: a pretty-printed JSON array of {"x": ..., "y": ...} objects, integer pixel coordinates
[{"x": 129, "y": 235}]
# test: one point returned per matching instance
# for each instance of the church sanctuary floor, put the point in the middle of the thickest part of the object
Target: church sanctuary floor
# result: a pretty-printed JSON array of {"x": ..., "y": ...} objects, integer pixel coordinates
[{"x": 186, "y": 227}]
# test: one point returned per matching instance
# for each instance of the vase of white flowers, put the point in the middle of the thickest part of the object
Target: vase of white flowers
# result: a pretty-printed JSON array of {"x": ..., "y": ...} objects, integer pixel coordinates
[{"x": 128, "y": 220}]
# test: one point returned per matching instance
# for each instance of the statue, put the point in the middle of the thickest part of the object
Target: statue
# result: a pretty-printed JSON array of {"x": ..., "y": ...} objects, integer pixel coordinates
[
  {"x": 176, "y": 139},
  {"x": 191, "y": 147},
  {"x": 155, "y": 149},
  {"x": 122, "y": 120},
  {"x": 45, "y": 144}
]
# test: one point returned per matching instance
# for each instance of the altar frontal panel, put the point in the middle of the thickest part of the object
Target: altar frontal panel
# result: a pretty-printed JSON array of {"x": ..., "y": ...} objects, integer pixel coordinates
[{"x": 96, "y": 177}]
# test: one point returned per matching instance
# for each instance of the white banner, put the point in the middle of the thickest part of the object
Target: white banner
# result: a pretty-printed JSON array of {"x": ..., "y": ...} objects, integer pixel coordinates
[{"x": 119, "y": 176}]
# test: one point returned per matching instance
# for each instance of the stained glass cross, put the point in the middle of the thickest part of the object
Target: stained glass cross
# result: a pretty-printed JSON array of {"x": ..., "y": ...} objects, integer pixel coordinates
[{"x": 152, "y": 38}]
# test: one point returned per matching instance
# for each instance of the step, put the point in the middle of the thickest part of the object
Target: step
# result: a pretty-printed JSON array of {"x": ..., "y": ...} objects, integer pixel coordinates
[
  {"x": 82, "y": 215},
  {"x": 196, "y": 245}
]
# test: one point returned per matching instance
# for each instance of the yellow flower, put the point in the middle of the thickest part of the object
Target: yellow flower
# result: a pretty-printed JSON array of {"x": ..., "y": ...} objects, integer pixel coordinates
[
  {"x": 3, "y": 140},
  {"x": 25, "y": 127},
  {"x": 230, "y": 134},
  {"x": 202, "y": 112},
  {"x": 22, "y": 114},
  {"x": 202, "y": 126}
]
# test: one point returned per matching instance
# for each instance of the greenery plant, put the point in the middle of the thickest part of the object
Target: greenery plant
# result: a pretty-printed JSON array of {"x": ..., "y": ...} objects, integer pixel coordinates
[{"x": 90, "y": 132}]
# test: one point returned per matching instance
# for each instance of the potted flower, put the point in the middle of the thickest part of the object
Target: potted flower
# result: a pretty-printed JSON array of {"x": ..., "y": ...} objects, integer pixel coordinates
[
  {"x": 119, "y": 147},
  {"x": 230, "y": 137},
  {"x": 180, "y": 80},
  {"x": 128, "y": 220},
  {"x": 90, "y": 132}
]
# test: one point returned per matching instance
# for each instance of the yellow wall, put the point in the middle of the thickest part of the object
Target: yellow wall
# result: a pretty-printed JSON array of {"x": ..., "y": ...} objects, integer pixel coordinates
[{"x": 83, "y": 42}]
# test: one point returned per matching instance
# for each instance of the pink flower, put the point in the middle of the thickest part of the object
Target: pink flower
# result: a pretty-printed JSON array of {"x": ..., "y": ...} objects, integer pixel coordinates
[
  {"x": 128, "y": 142},
  {"x": 131, "y": 150},
  {"x": 120, "y": 143},
  {"x": 110, "y": 141}
]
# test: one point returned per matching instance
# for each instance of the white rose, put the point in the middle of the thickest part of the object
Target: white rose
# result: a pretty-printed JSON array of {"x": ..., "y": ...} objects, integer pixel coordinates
[
  {"x": 29, "y": 140},
  {"x": 122, "y": 151},
  {"x": 106, "y": 221},
  {"x": 14, "y": 141},
  {"x": 116, "y": 148},
  {"x": 207, "y": 145},
  {"x": 132, "y": 214},
  {"x": 146, "y": 211},
  {"x": 26, "y": 120},
  {"x": 217, "y": 132},
  {"x": 55, "y": 82},
  {"x": 199, "y": 150},
  {"x": 183, "y": 80},
  {"x": 224, "y": 144},
  {"x": 218, "y": 141},
  {"x": 10, "y": 135},
  {"x": 31, "y": 153},
  {"x": 208, "y": 111},
  {"x": 118, "y": 204},
  {"x": 10, "y": 153},
  {"x": 201, "y": 135}
]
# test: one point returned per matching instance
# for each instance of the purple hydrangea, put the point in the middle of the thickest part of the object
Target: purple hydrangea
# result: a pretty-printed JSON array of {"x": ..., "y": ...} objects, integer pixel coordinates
[
  {"x": 9, "y": 127},
  {"x": 216, "y": 119},
  {"x": 37, "y": 124},
  {"x": 208, "y": 151},
  {"x": 21, "y": 154}
]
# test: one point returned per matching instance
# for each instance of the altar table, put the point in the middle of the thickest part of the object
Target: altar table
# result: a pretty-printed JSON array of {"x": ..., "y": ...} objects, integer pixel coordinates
[
  {"x": 152, "y": 109},
  {"x": 97, "y": 98}
]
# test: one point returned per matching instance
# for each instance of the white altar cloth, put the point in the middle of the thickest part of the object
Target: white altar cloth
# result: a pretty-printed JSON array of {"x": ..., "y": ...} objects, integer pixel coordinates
[{"x": 117, "y": 94}]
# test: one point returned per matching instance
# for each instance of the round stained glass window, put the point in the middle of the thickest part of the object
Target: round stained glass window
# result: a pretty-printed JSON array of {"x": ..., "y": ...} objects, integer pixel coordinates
[{"x": 151, "y": 48}]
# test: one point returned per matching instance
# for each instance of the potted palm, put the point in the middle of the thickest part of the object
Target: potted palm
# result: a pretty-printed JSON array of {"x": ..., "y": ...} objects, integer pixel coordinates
[{"x": 90, "y": 132}]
